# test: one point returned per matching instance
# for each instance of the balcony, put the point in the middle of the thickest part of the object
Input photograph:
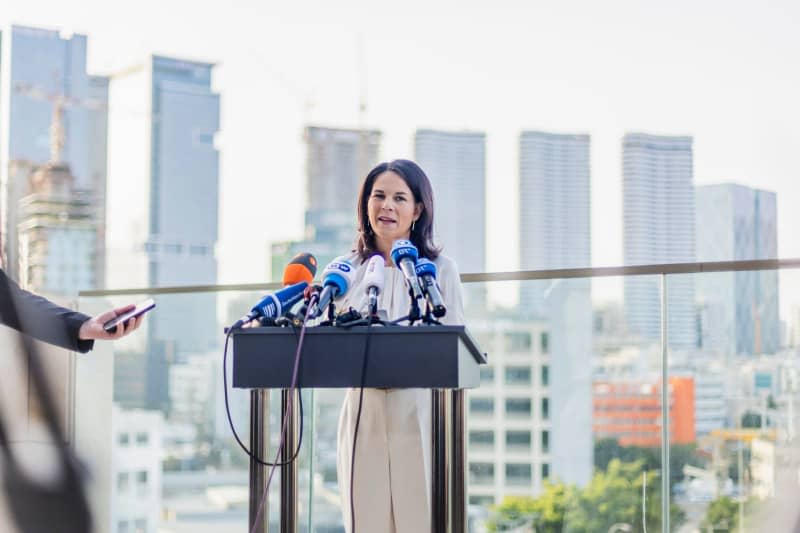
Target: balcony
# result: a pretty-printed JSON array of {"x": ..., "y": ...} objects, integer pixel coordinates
[{"x": 544, "y": 399}]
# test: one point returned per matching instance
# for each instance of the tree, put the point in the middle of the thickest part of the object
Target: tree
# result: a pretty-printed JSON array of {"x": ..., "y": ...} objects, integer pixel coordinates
[
  {"x": 722, "y": 515},
  {"x": 613, "y": 496},
  {"x": 605, "y": 450},
  {"x": 544, "y": 513}
]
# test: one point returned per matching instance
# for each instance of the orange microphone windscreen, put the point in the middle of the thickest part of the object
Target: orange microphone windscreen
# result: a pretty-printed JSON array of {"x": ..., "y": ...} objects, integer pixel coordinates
[{"x": 302, "y": 267}]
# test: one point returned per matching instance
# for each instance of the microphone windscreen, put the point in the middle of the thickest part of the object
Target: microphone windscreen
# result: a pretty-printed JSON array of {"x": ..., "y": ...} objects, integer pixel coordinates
[{"x": 302, "y": 267}]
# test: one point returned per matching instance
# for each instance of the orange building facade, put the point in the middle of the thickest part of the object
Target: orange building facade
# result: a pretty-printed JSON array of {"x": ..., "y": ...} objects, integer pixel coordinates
[{"x": 630, "y": 411}]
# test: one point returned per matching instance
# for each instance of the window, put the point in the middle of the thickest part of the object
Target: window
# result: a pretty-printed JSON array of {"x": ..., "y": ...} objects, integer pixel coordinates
[
  {"x": 518, "y": 474},
  {"x": 518, "y": 439},
  {"x": 545, "y": 408},
  {"x": 482, "y": 439},
  {"x": 483, "y": 501},
  {"x": 141, "y": 483},
  {"x": 519, "y": 342},
  {"x": 123, "y": 439},
  {"x": 481, "y": 406},
  {"x": 544, "y": 342},
  {"x": 545, "y": 375},
  {"x": 518, "y": 407},
  {"x": 481, "y": 473},
  {"x": 545, "y": 441},
  {"x": 545, "y": 471},
  {"x": 123, "y": 482},
  {"x": 122, "y": 526},
  {"x": 140, "y": 525},
  {"x": 487, "y": 374},
  {"x": 518, "y": 375},
  {"x": 142, "y": 438}
]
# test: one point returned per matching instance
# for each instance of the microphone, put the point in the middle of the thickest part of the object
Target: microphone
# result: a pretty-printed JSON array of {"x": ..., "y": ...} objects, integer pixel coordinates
[
  {"x": 300, "y": 270},
  {"x": 336, "y": 279},
  {"x": 426, "y": 272},
  {"x": 404, "y": 255},
  {"x": 302, "y": 267},
  {"x": 273, "y": 305},
  {"x": 374, "y": 279}
]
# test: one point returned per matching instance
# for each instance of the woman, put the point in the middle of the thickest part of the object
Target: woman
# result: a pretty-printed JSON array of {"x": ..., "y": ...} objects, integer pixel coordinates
[{"x": 392, "y": 481}]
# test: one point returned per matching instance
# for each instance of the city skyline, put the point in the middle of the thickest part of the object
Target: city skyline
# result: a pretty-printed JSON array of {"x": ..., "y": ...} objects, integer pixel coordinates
[{"x": 590, "y": 80}]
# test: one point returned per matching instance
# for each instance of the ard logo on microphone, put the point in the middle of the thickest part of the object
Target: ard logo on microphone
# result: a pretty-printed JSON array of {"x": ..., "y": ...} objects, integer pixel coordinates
[{"x": 344, "y": 267}]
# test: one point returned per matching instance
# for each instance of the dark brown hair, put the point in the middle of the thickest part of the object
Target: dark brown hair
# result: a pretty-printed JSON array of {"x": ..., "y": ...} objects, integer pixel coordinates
[{"x": 417, "y": 181}]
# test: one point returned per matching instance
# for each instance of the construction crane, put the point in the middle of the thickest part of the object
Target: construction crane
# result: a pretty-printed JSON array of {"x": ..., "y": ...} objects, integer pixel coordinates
[{"x": 60, "y": 103}]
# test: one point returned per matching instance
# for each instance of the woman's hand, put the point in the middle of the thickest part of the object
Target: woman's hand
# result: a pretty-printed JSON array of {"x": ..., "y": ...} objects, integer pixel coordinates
[{"x": 92, "y": 329}]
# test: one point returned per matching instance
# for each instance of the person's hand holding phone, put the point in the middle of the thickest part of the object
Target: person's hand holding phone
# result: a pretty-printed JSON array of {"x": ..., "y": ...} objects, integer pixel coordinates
[{"x": 96, "y": 327}]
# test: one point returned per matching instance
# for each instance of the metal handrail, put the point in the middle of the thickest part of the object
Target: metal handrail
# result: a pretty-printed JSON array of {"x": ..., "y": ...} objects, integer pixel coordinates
[{"x": 514, "y": 275}]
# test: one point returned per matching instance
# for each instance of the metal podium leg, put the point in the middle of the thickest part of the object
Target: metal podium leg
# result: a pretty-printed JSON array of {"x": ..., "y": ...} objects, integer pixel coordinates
[
  {"x": 289, "y": 472},
  {"x": 439, "y": 488},
  {"x": 259, "y": 439},
  {"x": 458, "y": 463}
]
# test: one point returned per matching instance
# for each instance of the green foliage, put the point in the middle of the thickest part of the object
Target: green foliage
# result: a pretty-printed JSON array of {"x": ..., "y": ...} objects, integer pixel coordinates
[
  {"x": 613, "y": 496},
  {"x": 722, "y": 515},
  {"x": 545, "y": 513},
  {"x": 605, "y": 450},
  {"x": 751, "y": 420}
]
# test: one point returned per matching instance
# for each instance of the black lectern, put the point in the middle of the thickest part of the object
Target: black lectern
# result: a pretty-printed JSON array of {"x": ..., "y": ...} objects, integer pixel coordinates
[{"x": 444, "y": 359}]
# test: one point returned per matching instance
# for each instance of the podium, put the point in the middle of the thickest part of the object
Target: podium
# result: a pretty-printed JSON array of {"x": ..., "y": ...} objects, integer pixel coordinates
[{"x": 444, "y": 359}]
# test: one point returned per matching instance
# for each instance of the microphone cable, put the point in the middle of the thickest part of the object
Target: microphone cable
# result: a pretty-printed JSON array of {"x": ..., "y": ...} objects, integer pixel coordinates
[
  {"x": 286, "y": 418},
  {"x": 358, "y": 421},
  {"x": 244, "y": 448}
]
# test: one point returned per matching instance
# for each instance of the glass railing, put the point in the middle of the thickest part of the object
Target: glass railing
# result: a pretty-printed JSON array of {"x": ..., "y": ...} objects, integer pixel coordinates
[{"x": 564, "y": 434}]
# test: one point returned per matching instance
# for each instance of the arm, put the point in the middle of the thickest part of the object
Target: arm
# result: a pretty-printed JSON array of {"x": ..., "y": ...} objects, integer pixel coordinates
[
  {"x": 450, "y": 284},
  {"x": 42, "y": 319}
]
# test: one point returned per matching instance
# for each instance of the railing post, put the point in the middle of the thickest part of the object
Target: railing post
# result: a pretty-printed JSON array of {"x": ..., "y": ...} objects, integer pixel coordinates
[
  {"x": 458, "y": 485},
  {"x": 289, "y": 471},
  {"x": 439, "y": 479},
  {"x": 665, "y": 440},
  {"x": 259, "y": 438}
]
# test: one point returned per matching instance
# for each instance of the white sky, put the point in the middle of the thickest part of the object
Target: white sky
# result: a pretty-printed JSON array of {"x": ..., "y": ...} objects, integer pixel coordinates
[{"x": 726, "y": 72}]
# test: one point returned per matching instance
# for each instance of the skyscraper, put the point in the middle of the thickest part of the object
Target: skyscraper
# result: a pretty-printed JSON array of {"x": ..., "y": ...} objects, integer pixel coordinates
[
  {"x": 337, "y": 160},
  {"x": 40, "y": 70},
  {"x": 741, "y": 308},
  {"x": 455, "y": 162},
  {"x": 658, "y": 213},
  {"x": 56, "y": 233},
  {"x": 555, "y": 192},
  {"x": 163, "y": 192}
]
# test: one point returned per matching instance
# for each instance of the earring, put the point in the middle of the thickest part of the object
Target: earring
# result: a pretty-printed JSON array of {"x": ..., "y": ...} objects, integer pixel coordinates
[{"x": 412, "y": 225}]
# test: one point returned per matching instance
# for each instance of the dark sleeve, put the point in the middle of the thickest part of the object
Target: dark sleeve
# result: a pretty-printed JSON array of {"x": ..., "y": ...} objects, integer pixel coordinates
[{"x": 40, "y": 318}]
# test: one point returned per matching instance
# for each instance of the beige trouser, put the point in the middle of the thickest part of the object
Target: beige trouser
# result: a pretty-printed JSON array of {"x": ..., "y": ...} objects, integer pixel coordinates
[{"x": 393, "y": 460}]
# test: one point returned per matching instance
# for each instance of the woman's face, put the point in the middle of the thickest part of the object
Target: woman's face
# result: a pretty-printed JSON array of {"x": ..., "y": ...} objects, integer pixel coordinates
[{"x": 391, "y": 208}]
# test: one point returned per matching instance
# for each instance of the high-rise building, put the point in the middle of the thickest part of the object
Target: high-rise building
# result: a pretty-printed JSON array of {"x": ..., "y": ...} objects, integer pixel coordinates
[
  {"x": 735, "y": 223},
  {"x": 658, "y": 212},
  {"x": 629, "y": 411},
  {"x": 337, "y": 161},
  {"x": 136, "y": 473},
  {"x": 555, "y": 192},
  {"x": 42, "y": 74},
  {"x": 511, "y": 423},
  {"x": 555, "y": 213},
  {"x": 455, "y": 163},
  {"x": 57, "y": 234},
  {"x": 163, "y": 192}
]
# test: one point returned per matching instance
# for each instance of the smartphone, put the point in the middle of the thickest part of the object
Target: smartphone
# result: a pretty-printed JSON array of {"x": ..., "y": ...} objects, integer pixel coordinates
[{"x": 140, "y": 309}]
